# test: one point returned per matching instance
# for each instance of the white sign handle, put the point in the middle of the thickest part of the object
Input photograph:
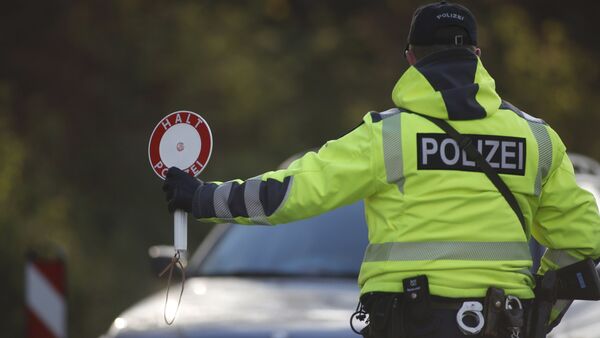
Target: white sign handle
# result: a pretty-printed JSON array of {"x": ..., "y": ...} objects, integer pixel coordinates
[{"x": 180, "y": 230}]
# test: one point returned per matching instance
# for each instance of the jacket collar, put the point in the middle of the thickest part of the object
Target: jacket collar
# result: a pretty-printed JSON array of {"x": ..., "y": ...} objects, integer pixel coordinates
[{"x": 451, "y": 85}]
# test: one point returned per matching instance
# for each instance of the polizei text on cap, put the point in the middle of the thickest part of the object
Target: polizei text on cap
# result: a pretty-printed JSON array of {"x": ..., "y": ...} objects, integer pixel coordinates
[{"x": 450, "y": 16}]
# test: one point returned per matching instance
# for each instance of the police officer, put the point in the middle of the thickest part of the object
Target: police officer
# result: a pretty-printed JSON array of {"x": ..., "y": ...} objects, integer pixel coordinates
[{"x": 440, "y": 232}]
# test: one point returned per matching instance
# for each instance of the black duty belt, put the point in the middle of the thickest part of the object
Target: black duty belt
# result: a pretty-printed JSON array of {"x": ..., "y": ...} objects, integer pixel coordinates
[{"x": 400, "y": 314}]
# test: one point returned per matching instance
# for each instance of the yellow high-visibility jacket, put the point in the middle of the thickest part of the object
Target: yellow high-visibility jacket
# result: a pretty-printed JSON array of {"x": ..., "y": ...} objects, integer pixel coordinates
[{"x": 429, "y": 209}]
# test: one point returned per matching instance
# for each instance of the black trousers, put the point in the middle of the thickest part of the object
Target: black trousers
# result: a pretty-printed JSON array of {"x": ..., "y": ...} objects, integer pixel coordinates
[
  {"x": 391, "y": 316},
  {"x": 442, "y": 324}
]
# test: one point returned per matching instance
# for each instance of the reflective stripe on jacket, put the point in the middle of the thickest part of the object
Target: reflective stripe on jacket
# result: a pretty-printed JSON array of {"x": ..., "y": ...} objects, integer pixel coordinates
[{"x": 429, "y": 209}]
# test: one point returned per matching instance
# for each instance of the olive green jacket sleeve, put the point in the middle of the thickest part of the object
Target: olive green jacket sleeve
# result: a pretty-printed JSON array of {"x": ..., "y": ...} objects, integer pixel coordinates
[
  {"x": 567, "y": 220},
  {"x": 340, "y": 173}
]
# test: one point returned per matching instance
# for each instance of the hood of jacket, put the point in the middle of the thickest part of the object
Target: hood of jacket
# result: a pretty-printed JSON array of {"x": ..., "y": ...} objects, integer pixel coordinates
[{"x": 450, "y": 85}]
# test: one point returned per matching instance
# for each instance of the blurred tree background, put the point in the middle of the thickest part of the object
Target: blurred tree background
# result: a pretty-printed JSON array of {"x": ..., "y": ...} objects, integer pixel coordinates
[{"x": 82, "y": 84}]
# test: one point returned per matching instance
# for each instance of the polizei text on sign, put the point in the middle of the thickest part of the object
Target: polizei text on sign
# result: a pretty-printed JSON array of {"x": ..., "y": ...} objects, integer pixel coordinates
[{"x": 441, "y": 152}]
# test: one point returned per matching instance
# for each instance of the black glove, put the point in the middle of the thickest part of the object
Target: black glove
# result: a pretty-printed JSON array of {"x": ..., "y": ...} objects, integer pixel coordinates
[{"x": 179, "y": 189}]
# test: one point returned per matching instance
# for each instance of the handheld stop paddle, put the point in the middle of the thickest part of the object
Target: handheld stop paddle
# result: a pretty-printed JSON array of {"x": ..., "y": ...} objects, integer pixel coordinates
[{"x": 181, "y": 139}]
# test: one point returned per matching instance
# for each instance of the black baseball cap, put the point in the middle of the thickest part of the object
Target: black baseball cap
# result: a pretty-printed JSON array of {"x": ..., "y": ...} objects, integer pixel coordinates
[{"x": 443, "y": 23}]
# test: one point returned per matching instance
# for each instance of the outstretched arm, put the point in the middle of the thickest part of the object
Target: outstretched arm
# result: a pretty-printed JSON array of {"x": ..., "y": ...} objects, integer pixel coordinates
[{"x": 340, "y": 173}]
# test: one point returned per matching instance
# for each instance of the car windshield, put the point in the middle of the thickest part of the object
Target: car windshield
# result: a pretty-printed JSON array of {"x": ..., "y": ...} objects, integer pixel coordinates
[{"x": 329, "y": 245}]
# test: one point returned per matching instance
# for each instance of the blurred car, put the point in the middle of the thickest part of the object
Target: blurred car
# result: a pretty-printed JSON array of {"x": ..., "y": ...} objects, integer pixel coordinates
[{"x": 295, "y": 280}]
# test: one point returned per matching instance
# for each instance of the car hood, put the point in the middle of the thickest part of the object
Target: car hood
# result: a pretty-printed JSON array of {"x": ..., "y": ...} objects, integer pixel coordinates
[
  {"x": 580, "y": 321},
  {"x": 251, "y": 307}
]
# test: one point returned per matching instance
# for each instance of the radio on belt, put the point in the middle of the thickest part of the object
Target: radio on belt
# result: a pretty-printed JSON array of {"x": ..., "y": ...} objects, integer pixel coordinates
[{"x": 181, "y": 139}]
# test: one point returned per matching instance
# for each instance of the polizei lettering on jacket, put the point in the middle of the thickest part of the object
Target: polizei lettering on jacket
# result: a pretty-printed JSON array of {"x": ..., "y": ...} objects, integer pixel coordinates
[{"x": 441, "y": 152}]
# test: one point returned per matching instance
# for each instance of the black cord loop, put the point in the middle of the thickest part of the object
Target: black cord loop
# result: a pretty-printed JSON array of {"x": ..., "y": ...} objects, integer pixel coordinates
[
  {"x": 175, "y": 262},
  {"x": 361, "y": 315}
]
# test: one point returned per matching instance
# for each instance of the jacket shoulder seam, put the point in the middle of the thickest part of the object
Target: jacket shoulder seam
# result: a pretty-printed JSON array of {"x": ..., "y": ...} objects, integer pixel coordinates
[
  {"x": 379, "y": 116},
  {"x": 509, "y": 106}
]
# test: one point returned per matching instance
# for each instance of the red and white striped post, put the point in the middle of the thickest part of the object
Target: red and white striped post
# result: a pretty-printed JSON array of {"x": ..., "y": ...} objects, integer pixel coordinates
[{"x": 45, "y": 297}]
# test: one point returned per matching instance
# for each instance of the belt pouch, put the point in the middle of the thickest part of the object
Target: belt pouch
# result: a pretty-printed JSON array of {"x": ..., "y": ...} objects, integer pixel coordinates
[
  {"x": 493, "y": 309},
  {"x": 417, "y": 298}
]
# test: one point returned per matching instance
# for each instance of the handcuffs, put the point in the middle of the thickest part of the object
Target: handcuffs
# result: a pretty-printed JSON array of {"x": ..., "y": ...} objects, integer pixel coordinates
[
  {"x": 470, "y": 310},
  {"x": 473, "y": 310}
]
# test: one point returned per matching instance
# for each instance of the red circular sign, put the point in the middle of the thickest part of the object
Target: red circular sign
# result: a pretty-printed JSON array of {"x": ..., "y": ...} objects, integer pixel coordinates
[{"x": 181, "y": 139}]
